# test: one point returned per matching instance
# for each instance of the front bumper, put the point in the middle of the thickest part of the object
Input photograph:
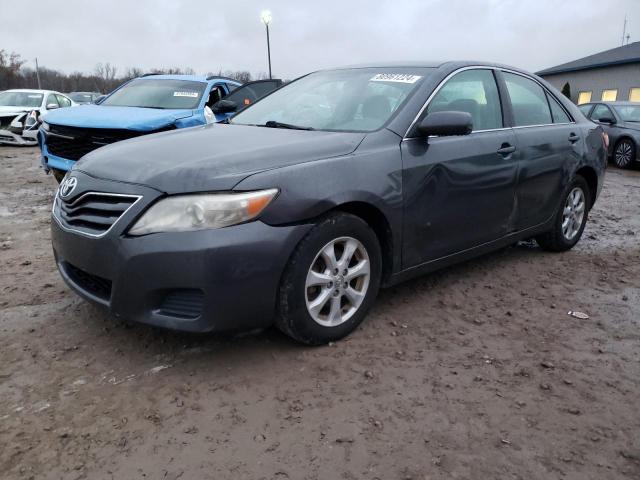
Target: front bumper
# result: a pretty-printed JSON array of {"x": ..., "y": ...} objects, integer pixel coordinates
[
  {"x": 50, "y": 161},
  {"x": 9, "y": 138},
  {"x": 210, "y": 280}
]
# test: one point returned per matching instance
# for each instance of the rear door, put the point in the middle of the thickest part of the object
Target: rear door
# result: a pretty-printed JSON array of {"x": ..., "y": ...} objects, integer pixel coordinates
[
  {"x": 459, "y": 191},
  {"x": 548, "y": 144}
]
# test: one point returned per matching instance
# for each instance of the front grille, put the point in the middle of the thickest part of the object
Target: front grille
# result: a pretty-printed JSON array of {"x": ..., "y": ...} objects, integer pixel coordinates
[
  {"x": 5, "y": 122},
  {"x": 182, "y": 304},
  {"x": 77, "y": 142},
  {"x": 93, "y": 213},
  {"x": 98, "y": 286}
]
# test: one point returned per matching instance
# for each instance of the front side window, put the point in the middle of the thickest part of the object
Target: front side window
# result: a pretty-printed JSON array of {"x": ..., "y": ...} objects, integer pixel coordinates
[
  {"x": 628, "y": 113},
  {"x": 584, "y": 97},
  {"x": 20, "y": 99},
  {"x": 358, "y": 99},
  {"x": 474, "y": 92},
  {"x": 52, "y": 101},
  {"x": 157, "y": 93},
  {"x": 601, "y": 111},
  {"x": 609, "y": 95},
  {"x": 528, "y": 101}
]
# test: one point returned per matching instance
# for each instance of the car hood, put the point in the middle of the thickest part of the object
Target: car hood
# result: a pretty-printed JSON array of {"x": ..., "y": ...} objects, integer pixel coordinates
[
  {"x": 129, "y": 118},
  {"x": 211, "y": 157},
  {"x": 6, "y": 111}
]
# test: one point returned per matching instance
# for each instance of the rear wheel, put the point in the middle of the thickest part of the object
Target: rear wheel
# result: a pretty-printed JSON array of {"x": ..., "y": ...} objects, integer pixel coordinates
[
  {"x": 624, "y": 154},
  {"x": 331, "y": 281},
  {"x": 570, "y": 219}
]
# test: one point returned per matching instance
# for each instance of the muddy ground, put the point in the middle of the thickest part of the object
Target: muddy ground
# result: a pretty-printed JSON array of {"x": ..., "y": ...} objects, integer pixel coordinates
[{"x": 475, "y": 372}]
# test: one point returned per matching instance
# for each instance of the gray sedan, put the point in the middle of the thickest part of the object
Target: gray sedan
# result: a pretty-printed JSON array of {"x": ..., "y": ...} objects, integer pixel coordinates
[
  {"x": 305, "y": 203},
  {"x": 621, "y": 121}
]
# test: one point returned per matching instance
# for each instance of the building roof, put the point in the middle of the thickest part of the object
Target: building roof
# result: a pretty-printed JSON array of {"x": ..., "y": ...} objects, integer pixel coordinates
[{"x": 616, "y": 56}]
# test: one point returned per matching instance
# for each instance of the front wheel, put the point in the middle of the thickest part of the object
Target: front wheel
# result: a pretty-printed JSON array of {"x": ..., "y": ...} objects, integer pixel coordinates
[
  {"x": 570, "y": 219},
  {"x": 331, "y": 280},
  {"x": 624, "y": 154}
]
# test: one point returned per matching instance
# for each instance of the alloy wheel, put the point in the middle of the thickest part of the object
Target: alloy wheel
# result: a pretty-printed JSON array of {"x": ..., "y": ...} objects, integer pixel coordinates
[
  {"x": 573, "y": 213},
  {"x": 623, "y": 154},
  {"x": 337, "y": 281}
]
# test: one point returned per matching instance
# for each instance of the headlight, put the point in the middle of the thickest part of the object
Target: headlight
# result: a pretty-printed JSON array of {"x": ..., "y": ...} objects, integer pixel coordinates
[
  {"x": 45, "y": 126},
  {"x": 184, "y": 213}
]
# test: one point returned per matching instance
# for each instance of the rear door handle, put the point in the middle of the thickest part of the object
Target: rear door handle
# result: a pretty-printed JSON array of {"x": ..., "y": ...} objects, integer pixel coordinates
[
  {"x": 573, "y": 138},
  {"x": 506, "y": 149}
]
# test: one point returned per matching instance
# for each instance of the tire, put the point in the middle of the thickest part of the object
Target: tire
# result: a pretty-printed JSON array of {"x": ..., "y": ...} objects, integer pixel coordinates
[
  {"x": 58, "y": 174},
  {"x": 624, "y": 153},
  {"x": 309, "y": 264},
  {"x": 563, "y": 236}
]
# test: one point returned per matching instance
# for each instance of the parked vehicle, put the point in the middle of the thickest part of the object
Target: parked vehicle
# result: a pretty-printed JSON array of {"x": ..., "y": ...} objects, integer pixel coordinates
[
  {"x": 149, "y": 104},
  {"x": 300, "y": 207},
  {"x": 621, "y": 121},
  {"x": 84, "y": 98},
  {"x": 20, "y": 110}
]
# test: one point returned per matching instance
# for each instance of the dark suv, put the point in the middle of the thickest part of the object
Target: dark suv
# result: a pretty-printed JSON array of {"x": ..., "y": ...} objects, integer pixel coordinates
[{"x": 309, "y": 200}]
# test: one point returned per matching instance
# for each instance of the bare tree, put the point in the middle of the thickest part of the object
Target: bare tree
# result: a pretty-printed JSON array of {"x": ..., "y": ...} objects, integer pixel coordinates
[{"x": 105, "y": 73}]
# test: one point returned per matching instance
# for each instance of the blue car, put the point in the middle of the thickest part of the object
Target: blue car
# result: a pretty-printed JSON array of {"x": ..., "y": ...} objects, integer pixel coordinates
[{"x": 148, "y": 104}]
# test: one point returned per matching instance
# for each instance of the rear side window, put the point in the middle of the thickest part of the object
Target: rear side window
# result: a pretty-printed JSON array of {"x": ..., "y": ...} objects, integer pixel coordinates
[
  {"x": 63, "y": 101},
  {"x": 528, "y": 100},
  {"x": 474, "y": 92},
  {"x": 557, "y": 112}
]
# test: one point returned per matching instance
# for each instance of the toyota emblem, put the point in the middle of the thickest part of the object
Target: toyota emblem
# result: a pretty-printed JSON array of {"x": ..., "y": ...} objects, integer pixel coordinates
[{"x": 67, "y": 186}]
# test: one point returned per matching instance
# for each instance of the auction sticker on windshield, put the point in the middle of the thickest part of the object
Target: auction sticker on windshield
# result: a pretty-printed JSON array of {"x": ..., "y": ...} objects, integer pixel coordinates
[
  {"x": 396, "y": 77},
  {"x": 186, "y": 94}
]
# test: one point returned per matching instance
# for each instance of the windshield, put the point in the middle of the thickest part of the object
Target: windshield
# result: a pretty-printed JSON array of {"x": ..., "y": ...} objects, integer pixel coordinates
[
  {"x": 20, "y": 99},
  {"x": 628, "y": 113},
  {"x": 359, "y": 99},
  {"x": 157, "y": 93}
]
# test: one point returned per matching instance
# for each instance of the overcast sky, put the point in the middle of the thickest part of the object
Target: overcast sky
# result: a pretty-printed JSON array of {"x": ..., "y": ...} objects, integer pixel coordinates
[{"x": 208, "y": 35}]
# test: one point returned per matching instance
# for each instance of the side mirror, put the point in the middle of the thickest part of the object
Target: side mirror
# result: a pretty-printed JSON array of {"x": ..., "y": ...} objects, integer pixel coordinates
[
  {"x": 224, "y": 106},
  {"x": 607, "y": 120},
  {"x": 52, "y": 106},
  {"x": 446, "y": 124}
]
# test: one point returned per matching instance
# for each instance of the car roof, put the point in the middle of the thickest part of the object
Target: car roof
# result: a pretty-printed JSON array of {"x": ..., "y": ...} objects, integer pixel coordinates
[
  {"x": 445, "y": 64},
  {"x": 618, "y": 102},
  {"x": 192, "y": 78},
  {"x": 32, "y": 90}
]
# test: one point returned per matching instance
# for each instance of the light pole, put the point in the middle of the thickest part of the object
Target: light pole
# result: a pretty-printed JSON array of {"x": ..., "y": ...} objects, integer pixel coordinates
[{"x": 266, "y": 19}]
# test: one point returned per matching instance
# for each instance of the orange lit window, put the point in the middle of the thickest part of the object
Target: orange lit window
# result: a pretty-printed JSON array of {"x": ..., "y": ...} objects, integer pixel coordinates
[
  {"x": 634, "y": 95},
  {"x": 584, "y": 97},
  {"x": 609, "y": 95}
]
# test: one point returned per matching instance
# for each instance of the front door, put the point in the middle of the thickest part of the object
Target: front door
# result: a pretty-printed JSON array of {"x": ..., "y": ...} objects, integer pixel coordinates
[{"x": 459, "y": 191}]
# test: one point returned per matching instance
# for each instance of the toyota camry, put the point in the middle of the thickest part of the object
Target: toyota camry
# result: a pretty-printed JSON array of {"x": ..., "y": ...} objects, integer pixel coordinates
[{"x": 299, "y": 208}]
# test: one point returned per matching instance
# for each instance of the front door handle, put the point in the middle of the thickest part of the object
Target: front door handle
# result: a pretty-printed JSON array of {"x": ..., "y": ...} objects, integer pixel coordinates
[
  {"x": 506, "y": 149},
  {"x": 573, "y": 138}
]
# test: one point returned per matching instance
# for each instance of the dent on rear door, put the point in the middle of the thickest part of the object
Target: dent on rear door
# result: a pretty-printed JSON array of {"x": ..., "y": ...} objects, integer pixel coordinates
[{"x": 547, "y": 158}]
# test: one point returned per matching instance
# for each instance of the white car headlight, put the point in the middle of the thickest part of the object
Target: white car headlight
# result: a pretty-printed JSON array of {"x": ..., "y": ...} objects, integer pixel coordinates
[{"x": 184, "y": 213}]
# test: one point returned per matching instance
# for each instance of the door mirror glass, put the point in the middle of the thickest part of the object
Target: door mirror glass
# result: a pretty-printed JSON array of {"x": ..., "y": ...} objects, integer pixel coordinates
[
  {"x": 608, "y": 120},
  {"x": 446, "y": 124},
  {"x": 225, "y": 106}
]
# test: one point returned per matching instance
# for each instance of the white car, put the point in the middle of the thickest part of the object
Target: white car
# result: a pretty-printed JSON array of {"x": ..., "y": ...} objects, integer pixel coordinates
[{"x": 20, "y": 112}]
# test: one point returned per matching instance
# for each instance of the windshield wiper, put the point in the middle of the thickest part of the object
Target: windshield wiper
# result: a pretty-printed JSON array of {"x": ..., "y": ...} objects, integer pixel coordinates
[{"x": 274, "y": 124}]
